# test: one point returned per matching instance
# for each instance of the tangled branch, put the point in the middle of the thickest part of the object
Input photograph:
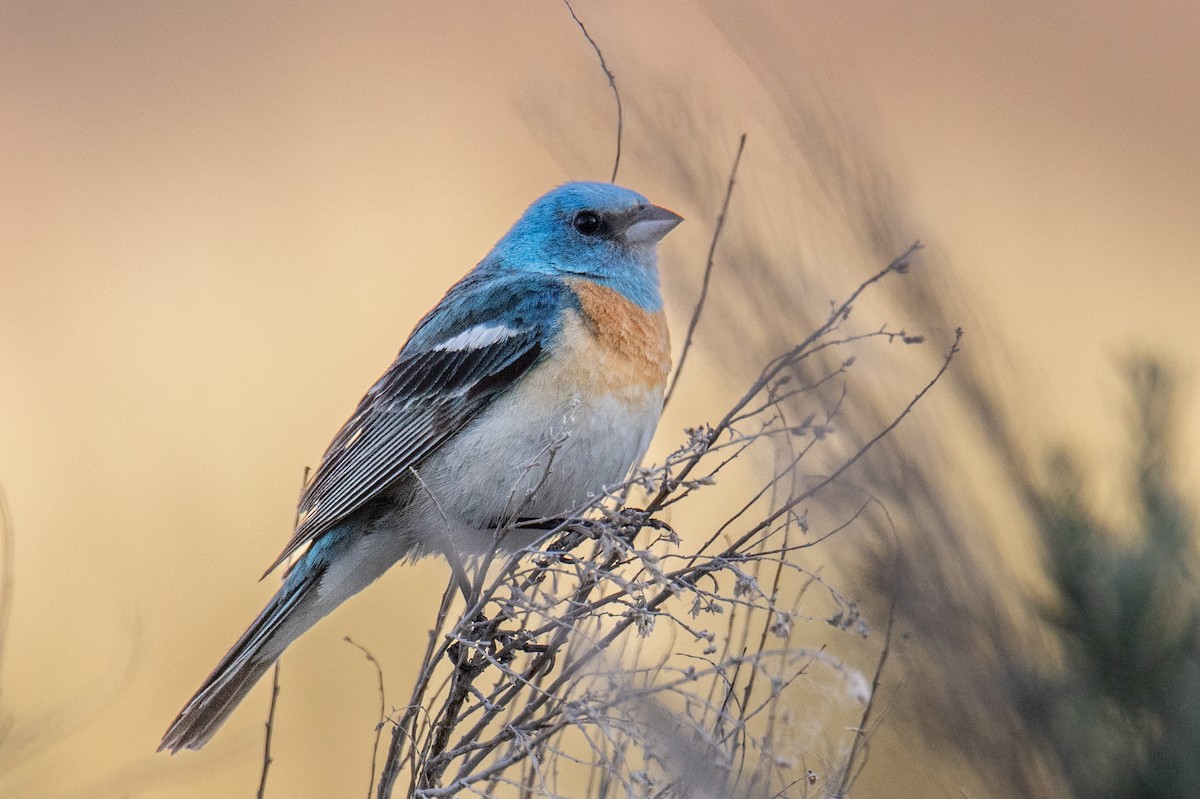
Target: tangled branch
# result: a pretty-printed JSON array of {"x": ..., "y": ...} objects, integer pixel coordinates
[{"x": 661, "y": 661}]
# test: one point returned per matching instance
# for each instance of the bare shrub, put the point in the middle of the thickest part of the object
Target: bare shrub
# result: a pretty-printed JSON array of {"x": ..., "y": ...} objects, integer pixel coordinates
[{"x": 666, "y": 664}]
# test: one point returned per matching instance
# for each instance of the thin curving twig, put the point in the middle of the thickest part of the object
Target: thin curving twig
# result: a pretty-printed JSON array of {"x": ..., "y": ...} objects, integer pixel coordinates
[
  {"x": 266, "y": 766},
  {"x": 382, "y": 709},
  {"x": 612, "y": 81},
  {"x": 708, "y": 267},
  {"x": 860, "y": 735}
]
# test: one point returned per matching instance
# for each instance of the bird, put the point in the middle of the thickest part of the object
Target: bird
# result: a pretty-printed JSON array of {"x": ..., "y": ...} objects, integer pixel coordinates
[{"x": 534, "y": 385}]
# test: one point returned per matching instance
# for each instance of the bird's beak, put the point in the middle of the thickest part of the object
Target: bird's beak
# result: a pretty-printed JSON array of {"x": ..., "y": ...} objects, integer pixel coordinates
[{"x": 647, "y": 224}]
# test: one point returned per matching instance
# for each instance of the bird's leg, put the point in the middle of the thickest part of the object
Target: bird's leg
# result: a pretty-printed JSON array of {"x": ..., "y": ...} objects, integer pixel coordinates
[
  {"x": 632, "y": 520},
  {"x": 574, "y": 529}
]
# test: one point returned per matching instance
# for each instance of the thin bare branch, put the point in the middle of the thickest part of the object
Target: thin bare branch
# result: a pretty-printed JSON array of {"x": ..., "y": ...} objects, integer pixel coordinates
[
  {"x": 612, "y": 82},
  {"x": 270, "y": 724},
  {"x": 382, "y": 709},
  {"x": 860, "y": 734},
  {"x": 708, "y": 268}
]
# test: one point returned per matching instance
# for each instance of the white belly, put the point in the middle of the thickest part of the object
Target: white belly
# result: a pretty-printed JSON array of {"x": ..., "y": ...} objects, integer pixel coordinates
[{"x": 539, "y": 451}]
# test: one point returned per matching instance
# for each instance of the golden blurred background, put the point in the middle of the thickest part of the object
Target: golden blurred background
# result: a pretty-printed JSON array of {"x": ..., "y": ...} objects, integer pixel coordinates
[{"x": 219, "y": 220}]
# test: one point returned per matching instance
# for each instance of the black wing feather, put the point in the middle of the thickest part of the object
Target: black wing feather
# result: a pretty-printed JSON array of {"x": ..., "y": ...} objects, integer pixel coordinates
[{"x": 420, "y": 402}]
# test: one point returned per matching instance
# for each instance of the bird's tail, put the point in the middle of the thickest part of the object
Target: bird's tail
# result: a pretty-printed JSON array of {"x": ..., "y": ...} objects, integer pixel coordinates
[
  {"x": 338, "y": 565},
  {"x": 285, "y": 618}
]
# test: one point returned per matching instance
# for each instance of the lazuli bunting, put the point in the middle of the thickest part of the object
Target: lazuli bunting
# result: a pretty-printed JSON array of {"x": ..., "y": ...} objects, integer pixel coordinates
[{"x": 534, "y": 385}]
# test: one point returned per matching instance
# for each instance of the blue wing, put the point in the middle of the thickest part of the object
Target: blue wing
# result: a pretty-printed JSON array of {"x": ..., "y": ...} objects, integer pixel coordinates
[{"x": 476, "y": 344}]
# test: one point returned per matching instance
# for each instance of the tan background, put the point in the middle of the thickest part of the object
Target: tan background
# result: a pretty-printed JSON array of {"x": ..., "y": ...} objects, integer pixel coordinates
[{"x": 219, "y": 220}]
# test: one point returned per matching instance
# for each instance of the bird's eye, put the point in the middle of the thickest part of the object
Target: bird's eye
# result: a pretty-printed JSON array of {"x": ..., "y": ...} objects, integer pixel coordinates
[{"x": 587, "y": 222}]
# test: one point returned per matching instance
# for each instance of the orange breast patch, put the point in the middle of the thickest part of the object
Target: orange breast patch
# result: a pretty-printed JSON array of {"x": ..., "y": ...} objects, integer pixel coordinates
[{"x": 634, "y": 339}]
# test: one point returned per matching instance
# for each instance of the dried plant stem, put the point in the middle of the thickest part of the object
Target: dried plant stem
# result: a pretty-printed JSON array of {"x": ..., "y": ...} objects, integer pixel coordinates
[
  {"x": 708, "y": 268},
  {"x": 781, "y": 362},
  {"x": 270, "y": 724},
  {"x": 382, "y": 709},
  {"x": 612, "y": 82},
  {"x": 850, "y": 772},
  {"x": 406, "y": 728}
]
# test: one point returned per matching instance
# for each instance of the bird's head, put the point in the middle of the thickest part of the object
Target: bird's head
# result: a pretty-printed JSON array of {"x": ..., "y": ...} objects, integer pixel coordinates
[{"x": 596, "y": 230}]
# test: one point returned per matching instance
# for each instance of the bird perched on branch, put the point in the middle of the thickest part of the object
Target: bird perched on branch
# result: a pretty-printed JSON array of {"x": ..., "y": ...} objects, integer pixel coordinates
[{"x": 534, "y": 385}]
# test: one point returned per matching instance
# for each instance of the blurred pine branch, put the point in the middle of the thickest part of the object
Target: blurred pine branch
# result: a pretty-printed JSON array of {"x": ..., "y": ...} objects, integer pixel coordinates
[{"x": 1122, "y": 710}]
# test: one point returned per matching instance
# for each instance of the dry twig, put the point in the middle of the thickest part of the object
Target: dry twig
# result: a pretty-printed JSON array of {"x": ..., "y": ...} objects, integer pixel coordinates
[
  {"x": 270, "y": 725},
  {"x": 708, "y": 268},
  {"x": 612, "y": 82}
]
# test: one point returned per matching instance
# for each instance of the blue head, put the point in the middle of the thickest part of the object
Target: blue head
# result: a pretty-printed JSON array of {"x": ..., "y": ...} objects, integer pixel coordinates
[{"x": 595, "y": 230}]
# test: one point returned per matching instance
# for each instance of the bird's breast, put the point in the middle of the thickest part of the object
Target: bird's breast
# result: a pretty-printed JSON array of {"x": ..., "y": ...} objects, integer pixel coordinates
[
  {"x": 571, "y": 428},
  {"x": 618, "y": 347}
]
